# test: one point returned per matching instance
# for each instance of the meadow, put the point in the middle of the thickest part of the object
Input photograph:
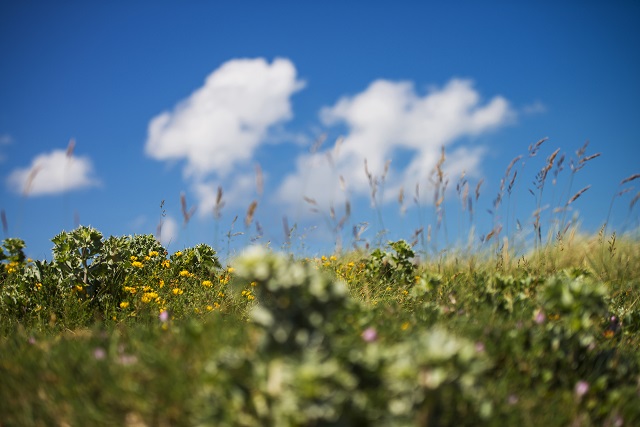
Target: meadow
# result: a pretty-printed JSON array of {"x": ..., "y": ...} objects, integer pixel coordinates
[{"x": 507, "y": 330}]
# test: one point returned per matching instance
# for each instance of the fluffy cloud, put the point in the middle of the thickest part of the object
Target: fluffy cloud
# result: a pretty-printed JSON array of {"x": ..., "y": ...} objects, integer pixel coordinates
[
  {"x": 220, "y": 125},
  {"x": 53, "y": 173},
  {"x": 390, "y": 118}
]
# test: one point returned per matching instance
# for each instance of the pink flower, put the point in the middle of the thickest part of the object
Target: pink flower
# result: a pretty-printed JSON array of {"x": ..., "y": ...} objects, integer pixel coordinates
[
  {"x": 540, "y": 317},
  {"x": 369, "y": 335},
  {"x": 99, "y": 353},
  {"x": 164, "y": 316},
  {"x": 581, "y": 388}
]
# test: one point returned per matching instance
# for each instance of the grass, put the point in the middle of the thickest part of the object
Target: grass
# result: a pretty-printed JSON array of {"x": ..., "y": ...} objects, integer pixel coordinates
[{"x": 518, "y": 330}]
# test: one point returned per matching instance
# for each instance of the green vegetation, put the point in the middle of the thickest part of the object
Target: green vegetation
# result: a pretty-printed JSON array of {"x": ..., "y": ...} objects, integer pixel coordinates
[{"x": 116, "y": 331}]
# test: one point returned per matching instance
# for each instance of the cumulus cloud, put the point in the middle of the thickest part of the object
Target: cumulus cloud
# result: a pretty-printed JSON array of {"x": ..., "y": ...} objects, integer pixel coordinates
[
  {"x": 390, "y": 119},
  {"x": 52, "y": 173},
  {"x": 220, "y": 125}
]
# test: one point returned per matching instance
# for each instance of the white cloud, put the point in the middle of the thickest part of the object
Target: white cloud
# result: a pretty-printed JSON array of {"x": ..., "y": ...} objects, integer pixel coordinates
[
  {"x": 220, "y": 125},
  {"x": 389, "y": 117},
  {"x": 168, "y": 231},
  {"x": 53, "y": 173}
]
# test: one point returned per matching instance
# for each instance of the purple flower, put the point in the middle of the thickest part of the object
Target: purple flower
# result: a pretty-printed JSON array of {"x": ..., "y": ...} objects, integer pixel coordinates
[
  {"x": 581, "y": 388},
  {"x": 540, "y": 317},
  {"x": 164, "y": 316},
  {"x": 370, "y": 335},
  {"x": 99, "y": 353}
]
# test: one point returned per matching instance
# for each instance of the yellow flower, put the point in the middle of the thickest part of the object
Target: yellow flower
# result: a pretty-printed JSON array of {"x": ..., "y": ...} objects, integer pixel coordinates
[
  {"x": 161, "y": 283},
  {"x": 209, "y": 308},
  {"x": 153, "y": 253},
  {"x": 253, "y": 283},
  {"x": 231, "y": 269},
  {"x": 38, "y": 286},
  {"x": 134, "y": 258},
  {"x": 220, "y": 294},
  {"x": 137, "y": 264},
  {"x": 130, "y": 289},
  {"x": 196, "y": 310},
  {"x": 178, "y": 253},
  {"x": 124, "y": 304},
  {"x": 333, "y": 258},
  {"x": 78, "y": 288},
  {"x": 207, "y": 283},
  {"x": 185, "y": 273},
  {"x": 166, "y": 263},
  {"x": 147, "y": 258},
  {"x": 178, "y": 291},
  {"x": 405, "y": 326}
]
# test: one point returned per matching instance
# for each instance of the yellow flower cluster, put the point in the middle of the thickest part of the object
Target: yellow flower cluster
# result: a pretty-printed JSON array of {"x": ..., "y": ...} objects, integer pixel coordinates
[
  {"x": 185, "y": 273},
  {"x": 248, "y": 295},
  {"x": 12, "y": 267},
  {"x": 207, "y": 283},
  {"x": 166, "y": 263},
  {"x": 130, "y": 289},
  {"x": 147, "y": 297},
  {"x": 177, "y": 291},
  {"x": 137, "y": 264},
  {"x": 153, "y": 253},
  {"x": 124, "y": 304}
]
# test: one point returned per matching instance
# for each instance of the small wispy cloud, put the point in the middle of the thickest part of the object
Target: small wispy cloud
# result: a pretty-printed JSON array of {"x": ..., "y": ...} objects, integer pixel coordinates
[
  {"x": 5, "y": 139},
  {"x": 168, "y": 231},
  {"x": 389, "y": 117},
  {"x": 52, "y": 173},
  {"x": 536, "y": 107}
]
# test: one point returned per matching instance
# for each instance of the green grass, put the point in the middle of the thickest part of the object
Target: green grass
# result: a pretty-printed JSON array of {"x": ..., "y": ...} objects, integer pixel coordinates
[{"x": 116, "y": 331}]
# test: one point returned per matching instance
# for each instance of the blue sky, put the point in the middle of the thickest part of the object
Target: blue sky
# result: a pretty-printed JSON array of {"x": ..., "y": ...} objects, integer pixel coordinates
[{"x": 169, "y": 98}]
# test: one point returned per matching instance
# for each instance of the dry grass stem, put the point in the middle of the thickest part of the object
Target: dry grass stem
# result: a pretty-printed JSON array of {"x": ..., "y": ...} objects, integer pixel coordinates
[
  {"x": 259, "y": 180},
  {"x": 318, "y": 143},
  {"x": 250, "y": 212},
  {"x": 70, "y": 148},
  {"x": 578, "y": 194},
  {"x": 533, "y": 148},
  {"x": 630, "y": 178},
  {"x": 186, "y": 213}
]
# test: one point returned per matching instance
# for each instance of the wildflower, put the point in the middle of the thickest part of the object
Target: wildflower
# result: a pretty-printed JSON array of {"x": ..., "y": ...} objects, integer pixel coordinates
[
  {"x": 231, "y": 270},
  {"x": 185, "y": 273},
  {"x": 99, "y": 353},
  {"x": 209, "y": 308},
  {"x": 581, "y": 388},
  {"x": 166, "y": 263},
  {"x": 369, "y": 335},
  {"x": 405, "y": 326},
  {"x": 540, "y": 317},
  {"x": 609, "y": 333},
  {"x": 153, "y": 253},
  {"x": 148, "y": 297},
  {"x": 163, "y": 316},
  {"x": 177, "y": 291},
  {"x": 333, "y": 258},
  {"x": 12, "y": 267},
  {"x": 78, "y": 288},
  {"x": 137, "y": 264},
  {"x": 38, "y": 286},
  {"x": 351, "y": 264},
  {"x": 178, "y": 253},
  {"x": 196, "y": 310},
  {"x": 220, "y": 294},
  {"x": 29, "y": 260},
  {"x": 253, "y": 284},
  {"x": 124, "y": 304},
  {"x": 134, "y": 258},
  {"x": 130, "y": 289},
  {"x": 161, "y": 283},
  {"x": 147, "y": 258},
  {"x": 207, "y": 283}
]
